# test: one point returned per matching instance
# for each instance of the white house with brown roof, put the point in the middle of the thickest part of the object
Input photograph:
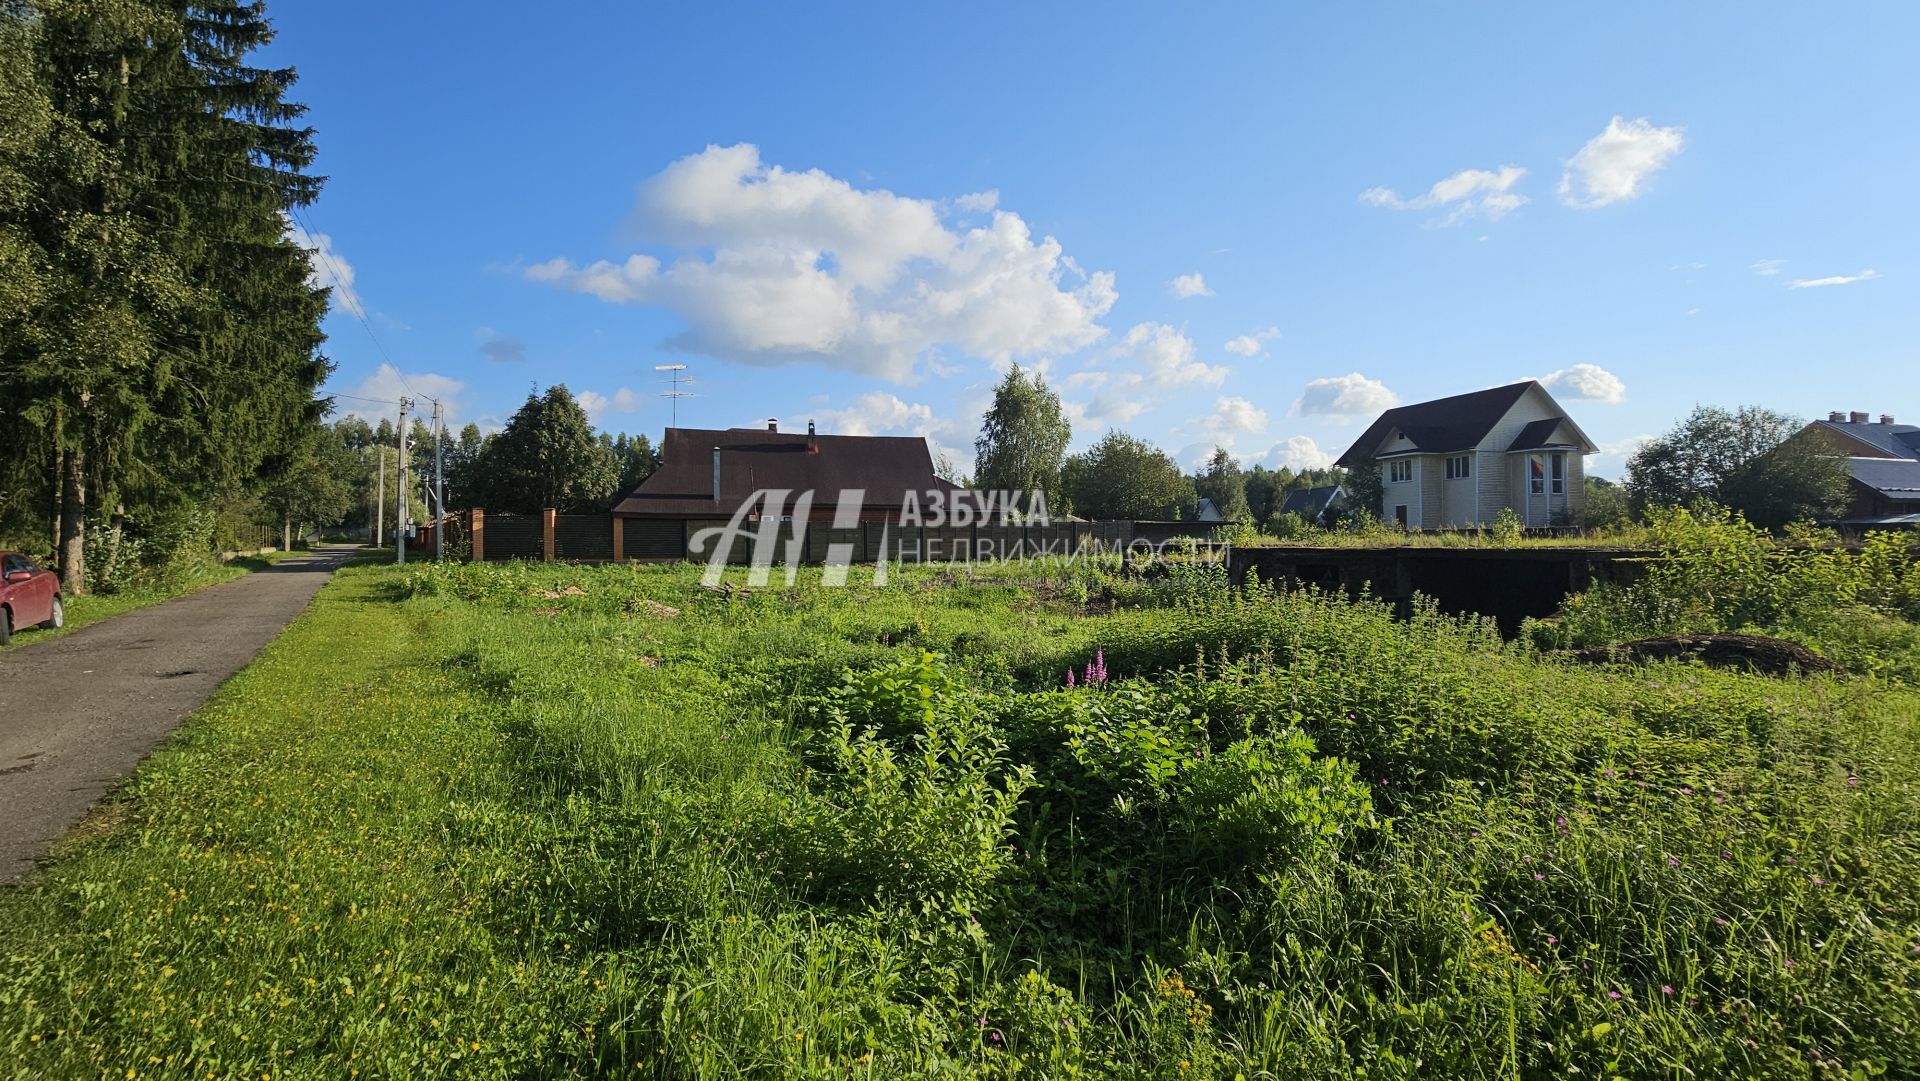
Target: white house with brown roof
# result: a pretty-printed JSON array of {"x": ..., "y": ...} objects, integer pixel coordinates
[{"x": 1455, "y": 462}]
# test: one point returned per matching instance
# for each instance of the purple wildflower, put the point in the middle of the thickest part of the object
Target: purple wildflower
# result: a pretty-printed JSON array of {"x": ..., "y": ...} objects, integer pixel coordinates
[
  {"x": 1666, "y": 989},
  {"x": 1673, "y": 861},
  {"x": 1538, "y": 877},
  {"x": 1853, "y": 782},
  {"x": 1552, "y": 940},
  {"x": 1069, "y": 679},
  {"x": 1615, "y": 995}
]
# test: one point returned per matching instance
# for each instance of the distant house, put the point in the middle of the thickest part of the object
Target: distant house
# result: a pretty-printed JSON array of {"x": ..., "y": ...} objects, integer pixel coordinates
[
  {"x": 1455, "y": 462},
  {"x": 1883, "y": 460},
  {"x": 1207, "y": 512},
  {"x": 707, "y": 475},
  {"x": 1315, "y": 505}
]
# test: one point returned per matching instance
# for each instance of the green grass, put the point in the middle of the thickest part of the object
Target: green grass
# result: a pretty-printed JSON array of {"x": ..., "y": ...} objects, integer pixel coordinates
[
  {"x": 91, "y": 608},
  {"x": 449, "y": 825}
]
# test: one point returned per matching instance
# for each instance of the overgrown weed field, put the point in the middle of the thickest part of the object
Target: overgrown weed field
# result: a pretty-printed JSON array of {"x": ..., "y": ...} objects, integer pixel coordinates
[{"x": 467, "y": 821}]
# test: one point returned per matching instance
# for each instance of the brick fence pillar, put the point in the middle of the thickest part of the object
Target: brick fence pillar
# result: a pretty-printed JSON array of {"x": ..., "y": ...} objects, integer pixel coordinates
[
  {"x": 476, "y": 534},
  {"x": 547, "y": 519},
  {"x": 619, "y": 539}
]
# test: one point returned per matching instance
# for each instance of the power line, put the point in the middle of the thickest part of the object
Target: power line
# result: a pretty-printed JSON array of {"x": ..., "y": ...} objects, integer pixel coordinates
[{"x": 305, "y": 220}]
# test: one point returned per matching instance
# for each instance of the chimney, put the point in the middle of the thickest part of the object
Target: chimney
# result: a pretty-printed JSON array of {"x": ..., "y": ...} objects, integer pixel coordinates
[
  {"x": 1836, "y": 417},
  {"x": 773, "y": 424},
  {"x": 716, "y": 474},
  {"x": 1886, "y": 418},
  {"x": 813, "y": 445}
]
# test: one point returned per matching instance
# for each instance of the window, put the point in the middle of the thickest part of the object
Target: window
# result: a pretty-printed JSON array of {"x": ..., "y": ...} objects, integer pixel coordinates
[
  {"x": 1536, "y": 474},
  {"x": 1559, "y": 473},
  {"x": 1458, "y": 467},
  {"x": 1400, "y": 470}
]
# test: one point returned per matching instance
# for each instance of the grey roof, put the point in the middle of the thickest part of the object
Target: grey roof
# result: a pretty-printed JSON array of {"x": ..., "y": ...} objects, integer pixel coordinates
[
  {"x": 1894, "y": 440},
  {"x": 1538, "y": 434},
  {"x": 1891, "y": 478},
  {"x": 1309, "y": 503}
]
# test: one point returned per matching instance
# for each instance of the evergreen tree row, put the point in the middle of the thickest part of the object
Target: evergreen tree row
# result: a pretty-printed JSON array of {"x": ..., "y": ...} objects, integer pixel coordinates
[{"x": 159, "y": 332}]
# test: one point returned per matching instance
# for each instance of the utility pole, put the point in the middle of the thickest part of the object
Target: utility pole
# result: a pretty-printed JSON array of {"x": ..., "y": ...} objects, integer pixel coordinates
[
  {"x": 380, "y": 500},
  {"x": 439, "y": 486},
  {"x": 400, "y": 474}
]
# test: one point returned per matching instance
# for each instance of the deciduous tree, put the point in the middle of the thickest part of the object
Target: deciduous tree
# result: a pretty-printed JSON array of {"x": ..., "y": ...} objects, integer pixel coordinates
[{"x": 1023, "y": 440}]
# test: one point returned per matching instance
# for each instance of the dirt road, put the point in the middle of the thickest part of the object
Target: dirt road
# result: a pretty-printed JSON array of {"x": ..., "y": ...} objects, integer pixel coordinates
[{"x": 78, "y": 713}]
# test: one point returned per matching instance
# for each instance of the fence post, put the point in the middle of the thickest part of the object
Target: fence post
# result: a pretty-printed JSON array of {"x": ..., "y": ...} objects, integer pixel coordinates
[
  {"x": 476, "y": 534},
  {"x": 547, "y": 518},
  {"x": 619, "y": 539}
]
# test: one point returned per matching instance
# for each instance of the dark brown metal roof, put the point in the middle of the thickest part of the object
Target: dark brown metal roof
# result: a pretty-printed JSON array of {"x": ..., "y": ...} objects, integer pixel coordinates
[
  {"x": 1538, "y": 435},
  {"x": 751, "y": 459},
  {"x": 1441, "y": 425}
]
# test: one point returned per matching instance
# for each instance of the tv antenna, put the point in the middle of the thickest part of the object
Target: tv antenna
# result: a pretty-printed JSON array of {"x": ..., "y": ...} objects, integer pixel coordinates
[{"x": 675, "y": 381}]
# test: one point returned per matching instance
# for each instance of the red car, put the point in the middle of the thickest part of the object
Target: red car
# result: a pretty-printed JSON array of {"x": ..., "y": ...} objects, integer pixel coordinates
[{"x": 29, "y": 596}]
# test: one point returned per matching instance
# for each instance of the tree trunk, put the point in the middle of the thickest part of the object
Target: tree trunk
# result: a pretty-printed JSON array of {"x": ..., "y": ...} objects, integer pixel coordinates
[
  {"x": 73, "y": 523},
  {"x": 114, "y": 538}
]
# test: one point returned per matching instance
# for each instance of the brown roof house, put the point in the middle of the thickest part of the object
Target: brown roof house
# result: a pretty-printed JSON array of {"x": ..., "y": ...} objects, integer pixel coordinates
[
  {"x": 710, "y": 478},
  {"x": 1455, "y": 462}
]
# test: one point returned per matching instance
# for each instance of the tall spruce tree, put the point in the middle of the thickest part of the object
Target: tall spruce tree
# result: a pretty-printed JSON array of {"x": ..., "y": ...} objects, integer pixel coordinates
[{"x": 167, "y": 349}]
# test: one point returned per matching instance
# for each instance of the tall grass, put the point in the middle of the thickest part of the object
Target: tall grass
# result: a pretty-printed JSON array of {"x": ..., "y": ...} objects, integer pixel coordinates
[{"x": 450, "y": 825}]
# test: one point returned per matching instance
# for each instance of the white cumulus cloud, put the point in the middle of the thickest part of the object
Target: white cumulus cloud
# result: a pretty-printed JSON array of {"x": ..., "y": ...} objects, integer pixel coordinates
[
  {"x": 1299, "y": 452},
  {"x": 1486, "y": 193},
  {"x": 1168, "y": 357},
  {"x": 1189, "y": 285},
  {"x": 980, "y": 201},
  {"x": 1589, "y": 382},
  {"x": 771, "y": 266},
  {"x": 598, "y": 405},
  {"x": 328, "y": 268},
  {"x": 1116, "y": 398},
  {"x": 1614, "y": 163},
  {"x": 1234, "y": 416},
  {"x": 1250, "y": 345},
  {"x": 377, "y": 395},
  {"x": 1347, "y": 395},
  {"x": 1838, "y": 279}
]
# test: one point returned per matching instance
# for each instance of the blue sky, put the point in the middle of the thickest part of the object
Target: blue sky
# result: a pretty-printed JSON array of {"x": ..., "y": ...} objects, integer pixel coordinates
[{"x": 858, "y": 213}]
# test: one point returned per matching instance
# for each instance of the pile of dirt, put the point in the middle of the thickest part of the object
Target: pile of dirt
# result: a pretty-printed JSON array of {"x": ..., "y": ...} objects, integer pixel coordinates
[
  {"x": 1768, "y": 656},
  {"x": 570, "y": 591}
]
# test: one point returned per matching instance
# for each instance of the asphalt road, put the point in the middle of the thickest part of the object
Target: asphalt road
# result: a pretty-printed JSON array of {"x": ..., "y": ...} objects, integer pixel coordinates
[{"x": 78, "y": 713}]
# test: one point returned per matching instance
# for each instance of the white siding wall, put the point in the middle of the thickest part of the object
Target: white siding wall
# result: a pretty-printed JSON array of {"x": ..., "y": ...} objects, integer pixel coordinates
[
  {"x": 1431, "y": 471},
  {"x": 1533, "y": 405},
  {"x": 1399, "y": 492}
]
